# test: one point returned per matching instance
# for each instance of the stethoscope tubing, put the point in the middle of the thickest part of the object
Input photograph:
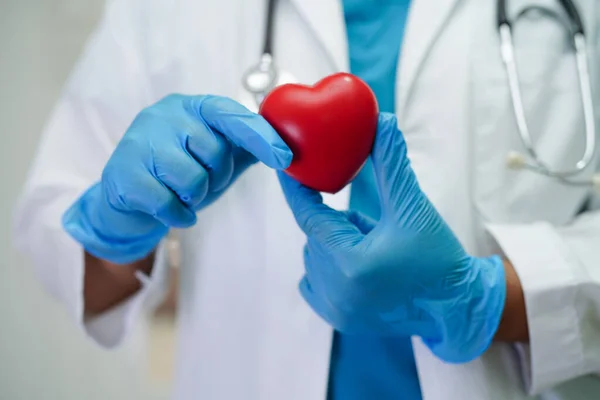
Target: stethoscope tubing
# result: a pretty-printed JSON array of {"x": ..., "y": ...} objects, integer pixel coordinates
[{"x": 508, "y": 57}]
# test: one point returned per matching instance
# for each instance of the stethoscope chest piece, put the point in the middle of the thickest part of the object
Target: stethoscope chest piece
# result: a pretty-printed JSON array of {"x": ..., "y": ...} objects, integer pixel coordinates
[{"x": 261, "y": 78}]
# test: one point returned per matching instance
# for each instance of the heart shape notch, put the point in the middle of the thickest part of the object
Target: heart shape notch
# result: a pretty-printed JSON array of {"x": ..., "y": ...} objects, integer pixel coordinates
[{"x": 330, "y": 128}]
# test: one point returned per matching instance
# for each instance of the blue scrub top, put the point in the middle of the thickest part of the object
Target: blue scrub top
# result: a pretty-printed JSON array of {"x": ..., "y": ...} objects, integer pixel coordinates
[{"x": 370, "y": 367}]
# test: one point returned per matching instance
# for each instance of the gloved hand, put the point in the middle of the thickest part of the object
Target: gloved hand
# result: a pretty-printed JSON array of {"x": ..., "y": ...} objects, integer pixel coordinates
[
  {"x": 404, "y": 275},
  {"x": 177, "y": 157}
]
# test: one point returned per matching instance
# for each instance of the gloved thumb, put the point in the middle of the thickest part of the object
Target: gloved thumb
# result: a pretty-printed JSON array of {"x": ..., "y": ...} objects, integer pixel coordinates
[
  {"x": 361, "y": 221},
  {"x": 330, "y": 228},
  {"x": 396, "y": 180}
]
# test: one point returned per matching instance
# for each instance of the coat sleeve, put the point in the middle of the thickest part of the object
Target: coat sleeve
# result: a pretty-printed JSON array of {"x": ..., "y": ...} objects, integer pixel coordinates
[
  {"x": 559, "y": 269},
  {"x": 105, "y": 91}
]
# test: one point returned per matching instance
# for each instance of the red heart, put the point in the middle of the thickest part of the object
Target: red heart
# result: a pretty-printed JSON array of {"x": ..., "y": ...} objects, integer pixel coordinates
[{"x": 330, "y": 127}]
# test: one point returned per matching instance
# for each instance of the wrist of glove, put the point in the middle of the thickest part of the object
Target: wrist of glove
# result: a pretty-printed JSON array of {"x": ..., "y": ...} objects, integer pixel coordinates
[
  {"x": 406, "y": 274},
  {"x": 111, "y": 234},
  {"x": 467, "y": 329}
]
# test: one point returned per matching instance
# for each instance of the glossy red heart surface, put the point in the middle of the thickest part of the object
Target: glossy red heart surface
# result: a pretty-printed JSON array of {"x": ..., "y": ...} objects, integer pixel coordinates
[{"x": 330, "y": 128}]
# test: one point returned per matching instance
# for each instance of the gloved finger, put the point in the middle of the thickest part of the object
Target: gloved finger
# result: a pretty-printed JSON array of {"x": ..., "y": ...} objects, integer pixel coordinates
[
  {"x": 241, "y": 160},
  {"x": 244, "y": 128},
  {"x": 214, "y": 152},
  {"x": 395, "y": 178},
  {"x": 147, "y": 195},
  {"x": 183, "y": 175},
  {"x": 309, "y": 272},
  {"x": 313, "y": 274},
  {"x": 317, "y": 303},
  {"x": 306, "y": 258},
  {"x": 318, "y": 221},
  {"x": 407, "y": 320},
  {"x": 362, "y": 222}
]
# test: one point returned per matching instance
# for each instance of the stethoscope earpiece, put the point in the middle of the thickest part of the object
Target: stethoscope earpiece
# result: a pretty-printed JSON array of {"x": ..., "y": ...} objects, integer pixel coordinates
[
  {"x": 515, "y": 160},
  {"x": 596, "y": 182}
]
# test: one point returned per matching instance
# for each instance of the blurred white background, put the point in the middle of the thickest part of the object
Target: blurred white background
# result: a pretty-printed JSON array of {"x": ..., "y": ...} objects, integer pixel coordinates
[{"x": 42, "y": 354}]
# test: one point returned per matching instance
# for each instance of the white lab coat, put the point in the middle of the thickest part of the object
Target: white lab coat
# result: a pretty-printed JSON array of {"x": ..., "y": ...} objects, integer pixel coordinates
[{"x": 244, "y": 330}]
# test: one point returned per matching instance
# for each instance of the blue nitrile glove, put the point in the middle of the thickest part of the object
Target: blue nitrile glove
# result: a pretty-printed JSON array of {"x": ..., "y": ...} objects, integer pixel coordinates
[
  {"x": 177, "y": 156},
  {"x": 404, "y": 275}
]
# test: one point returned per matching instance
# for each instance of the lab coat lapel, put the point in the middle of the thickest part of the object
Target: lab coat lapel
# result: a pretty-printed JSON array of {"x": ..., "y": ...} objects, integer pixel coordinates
[
  {"x": 425, "y": 22},
  {"x": 326, "y": 20}
]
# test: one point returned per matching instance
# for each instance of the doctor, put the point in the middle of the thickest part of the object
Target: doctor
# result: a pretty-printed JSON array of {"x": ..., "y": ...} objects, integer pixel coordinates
[{"x": 448, "y": 276}]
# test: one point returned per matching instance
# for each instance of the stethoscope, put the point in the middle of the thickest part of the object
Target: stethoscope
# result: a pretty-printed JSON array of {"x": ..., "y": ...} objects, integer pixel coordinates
[
  {"x": 260, "y": 79},
  {"x": 519, "y": 161}
]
